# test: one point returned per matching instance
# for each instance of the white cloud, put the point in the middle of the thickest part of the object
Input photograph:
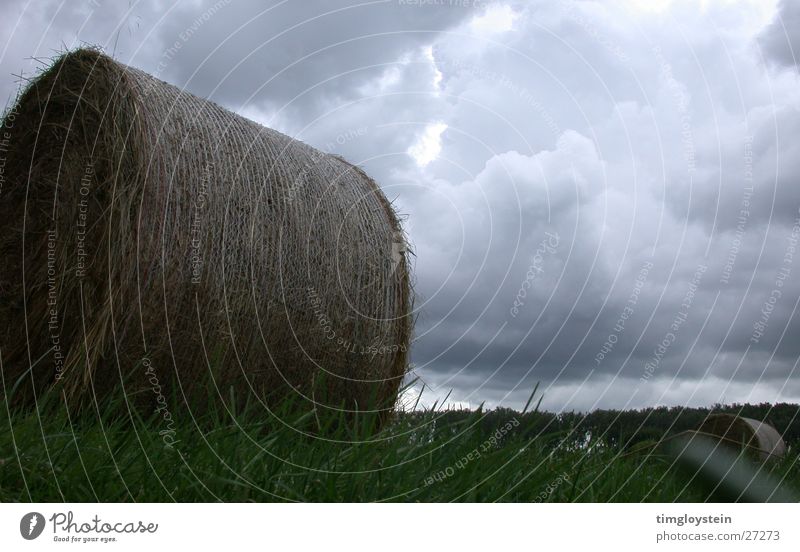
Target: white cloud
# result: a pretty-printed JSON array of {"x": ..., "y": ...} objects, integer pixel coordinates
[
  {"x": 429, "y": 144},
  {"x": 437, "y": 75},
  {"x": 498, "y": 18}
]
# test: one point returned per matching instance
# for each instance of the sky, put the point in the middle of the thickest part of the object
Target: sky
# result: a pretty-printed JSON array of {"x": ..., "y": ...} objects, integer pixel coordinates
[{"x": 600, "y": 197}]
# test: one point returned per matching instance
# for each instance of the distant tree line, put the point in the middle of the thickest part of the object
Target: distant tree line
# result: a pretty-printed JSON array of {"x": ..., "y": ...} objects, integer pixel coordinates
[{"x": 620, "y": 428}]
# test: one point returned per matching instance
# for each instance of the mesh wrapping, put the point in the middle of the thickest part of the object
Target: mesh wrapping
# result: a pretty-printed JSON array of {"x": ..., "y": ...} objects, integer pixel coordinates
[{"x": 148, "y": 234}]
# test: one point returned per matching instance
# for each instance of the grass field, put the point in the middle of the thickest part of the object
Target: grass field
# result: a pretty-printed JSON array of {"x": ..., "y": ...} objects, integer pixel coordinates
[{"x": 111, "y": 454}]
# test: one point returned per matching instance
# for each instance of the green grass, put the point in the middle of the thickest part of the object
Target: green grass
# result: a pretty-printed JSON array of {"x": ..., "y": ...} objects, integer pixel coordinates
[{"x": 112, "y": 454}]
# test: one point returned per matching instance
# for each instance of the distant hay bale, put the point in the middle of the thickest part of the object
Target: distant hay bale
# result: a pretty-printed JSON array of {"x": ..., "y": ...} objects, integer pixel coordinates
[
  {"x": 744, "y": 434},
  {"x": 153, "y": 240}
]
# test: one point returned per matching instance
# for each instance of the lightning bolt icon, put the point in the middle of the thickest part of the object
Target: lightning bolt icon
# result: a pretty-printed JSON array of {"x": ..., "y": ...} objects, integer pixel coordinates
[{"x": 34, "y": 519}]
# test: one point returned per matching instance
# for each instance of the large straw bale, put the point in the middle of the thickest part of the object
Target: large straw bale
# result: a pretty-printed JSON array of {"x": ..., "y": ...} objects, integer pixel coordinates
[{"x": 152, "y": 238}]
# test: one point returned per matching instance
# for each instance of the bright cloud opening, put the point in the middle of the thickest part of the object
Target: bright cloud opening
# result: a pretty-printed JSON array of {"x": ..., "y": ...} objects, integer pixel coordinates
[
  {"x": 651, "y": 6},
  {"x": 437, "y": 75},
  {"x": 496, "y": 19},
  {"x": 429, "y": 145}
]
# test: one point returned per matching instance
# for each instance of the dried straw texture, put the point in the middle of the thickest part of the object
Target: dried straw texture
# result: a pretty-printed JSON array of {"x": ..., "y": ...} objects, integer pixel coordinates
[
  {"x": 745, "y": 433},
  {"x": 150, "y": 237}
]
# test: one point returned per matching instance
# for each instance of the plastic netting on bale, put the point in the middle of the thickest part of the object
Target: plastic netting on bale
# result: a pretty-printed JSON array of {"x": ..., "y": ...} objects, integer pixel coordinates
[{"x": 149, "y": 235}]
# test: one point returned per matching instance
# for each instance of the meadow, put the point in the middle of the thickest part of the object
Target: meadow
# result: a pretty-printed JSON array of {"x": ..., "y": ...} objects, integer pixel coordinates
[{"x": 111, "y": 453}]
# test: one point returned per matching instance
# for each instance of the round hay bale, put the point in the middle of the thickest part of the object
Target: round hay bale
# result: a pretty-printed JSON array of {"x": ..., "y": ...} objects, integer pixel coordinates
[
  {"x": 156, "y": 242},
  {"x": 744, "y": 434}
]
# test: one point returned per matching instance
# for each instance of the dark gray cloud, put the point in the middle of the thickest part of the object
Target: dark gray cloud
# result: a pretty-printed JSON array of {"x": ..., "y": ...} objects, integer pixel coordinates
[
  {"x": 303, "y": 55},
  {"x": 781, "y": 39},
  {"x": 601, "y": 198}
]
